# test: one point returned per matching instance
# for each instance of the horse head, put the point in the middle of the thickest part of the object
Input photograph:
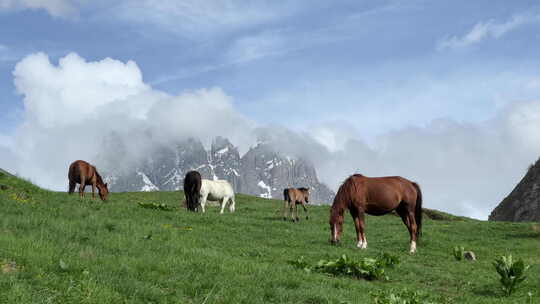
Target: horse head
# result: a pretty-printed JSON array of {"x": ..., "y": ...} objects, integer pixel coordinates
[
  {"x": 103, "y": 191},
  {"x": 336, "y": 225}
]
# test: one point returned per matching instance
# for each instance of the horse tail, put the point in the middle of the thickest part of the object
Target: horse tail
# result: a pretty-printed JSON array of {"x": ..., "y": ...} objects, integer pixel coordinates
[
  {"x": 71, "y": 187},
  {"x": 286, "y": 194},
  {"x": 192, "y": 188},
  {"x": 194, "y": 193},
  {"x": 418, "y": 210},
  {"x": 71, "y": 178}
]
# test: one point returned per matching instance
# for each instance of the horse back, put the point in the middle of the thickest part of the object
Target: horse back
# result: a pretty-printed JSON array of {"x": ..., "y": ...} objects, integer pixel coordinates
[
  {"x": 79, "y": 170},
  {"x": 390, "y": 188},
  {"x": 217, "y": 187},
  {"x": 380, "y": 195},
  {"x": 296, "y": 195}
]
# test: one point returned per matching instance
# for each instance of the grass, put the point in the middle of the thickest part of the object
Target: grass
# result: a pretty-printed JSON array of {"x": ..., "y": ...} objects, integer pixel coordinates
[{"x": 56, "y": 248}]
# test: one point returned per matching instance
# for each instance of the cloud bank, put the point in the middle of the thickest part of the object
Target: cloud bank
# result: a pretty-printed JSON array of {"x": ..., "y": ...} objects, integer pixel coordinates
[{"x": 72, "y": 107}]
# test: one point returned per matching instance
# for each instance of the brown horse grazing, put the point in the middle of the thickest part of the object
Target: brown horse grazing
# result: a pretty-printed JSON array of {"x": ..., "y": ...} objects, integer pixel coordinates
[
  {"x": 81, "y": 172},
  {"x": 377, "y": 196},
  {"x": 292, "y": 197},
  {"x": 192, "y": 189}
]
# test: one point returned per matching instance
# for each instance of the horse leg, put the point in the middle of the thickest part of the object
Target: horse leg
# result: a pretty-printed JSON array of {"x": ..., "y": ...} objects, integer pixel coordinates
[
  {"x": 305, "y": 209},
  {"x": 285, "y": 206},
  {"x": 72, "y": 187},
  {"x": 358, "y": 217},
  {"x": 296, "y": 211},
  {"x": 203, "y": 202},
  {"x": 292, "y": 205},
  {"x": 93, "y": 191},
  {"x": 412, "y": 229},
  {"x": 232, "y": 206},
  {"x": 362, "y": 230},
  {"x": 408, "y": 219},
  {"x": 223, "y": 203},
  {"x": 82, "y": 185}
]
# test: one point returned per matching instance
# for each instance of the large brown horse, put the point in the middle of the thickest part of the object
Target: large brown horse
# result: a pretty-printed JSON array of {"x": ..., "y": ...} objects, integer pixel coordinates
[
  {"x": 82, "y": 173},
  {"x": 192, "y": 189},
  {"x": 292, "y": 197},
  {"x": 377, "y": 196}
]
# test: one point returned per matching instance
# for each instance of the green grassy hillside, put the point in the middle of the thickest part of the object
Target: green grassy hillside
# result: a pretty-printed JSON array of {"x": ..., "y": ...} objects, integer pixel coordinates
[{"x": 55, "y": 248}]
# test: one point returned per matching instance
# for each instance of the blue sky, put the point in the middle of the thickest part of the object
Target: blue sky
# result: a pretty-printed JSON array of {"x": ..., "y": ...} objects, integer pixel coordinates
[
  {"x": 298, "y": 55},
  {"x": 337, "y": 70}
]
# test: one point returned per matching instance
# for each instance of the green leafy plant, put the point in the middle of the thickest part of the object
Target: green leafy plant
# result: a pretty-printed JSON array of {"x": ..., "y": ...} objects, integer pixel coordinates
[
  {"x": 512, "y": 272},
  {"x": 158, "y": 206},
  {"x": 301, "y": 264},
  {"x": 366, "y": 268},
  {"x": 400, "y": 297},
  {"x": 458, "y": 253},
  {"x": 387, "y": 259}
]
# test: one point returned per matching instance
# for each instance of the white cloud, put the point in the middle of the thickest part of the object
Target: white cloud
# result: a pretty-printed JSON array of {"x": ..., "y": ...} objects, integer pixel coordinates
[
  {"x": 61, "y": 95},
  {"x": 485, "y": 30},
  {"x": 56, "y": 8},
  {"x": 464, "y": 169},
  {"x": 70, "y": 108}
]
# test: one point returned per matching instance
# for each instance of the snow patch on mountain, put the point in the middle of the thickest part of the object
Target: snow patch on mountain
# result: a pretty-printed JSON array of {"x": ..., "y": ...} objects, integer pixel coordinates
[
  {"x": 268, "y": 193},
  {"x": 224, "y": 150},
  {"x": 148, "y": 185}
]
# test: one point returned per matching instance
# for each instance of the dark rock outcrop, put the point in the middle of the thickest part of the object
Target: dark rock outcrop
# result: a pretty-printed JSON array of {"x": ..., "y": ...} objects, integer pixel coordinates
[{"x": 523, "y": 203}]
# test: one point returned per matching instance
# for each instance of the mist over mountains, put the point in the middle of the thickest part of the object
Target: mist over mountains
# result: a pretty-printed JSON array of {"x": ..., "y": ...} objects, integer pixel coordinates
[
  {"x": 104, "y": 112},
  {"x": 261, "y": 171}
]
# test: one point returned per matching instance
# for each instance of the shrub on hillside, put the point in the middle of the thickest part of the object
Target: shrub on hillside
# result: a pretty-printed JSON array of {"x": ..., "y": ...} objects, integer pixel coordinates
[
  {"x": 366, "y": 268},
  {"x": 459, "y": 252},
  {"x": 158, "y": 206},
  {"x": 400, "y": 297},
  {"x": 512, "y": 272}
]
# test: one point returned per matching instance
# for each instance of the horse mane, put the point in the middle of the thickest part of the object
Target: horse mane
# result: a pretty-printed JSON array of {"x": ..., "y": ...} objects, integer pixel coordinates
[
  {"x": 303, "y": 189},
  {"x": 98, "y": 177},
  {"x": 343, "y": 196}
]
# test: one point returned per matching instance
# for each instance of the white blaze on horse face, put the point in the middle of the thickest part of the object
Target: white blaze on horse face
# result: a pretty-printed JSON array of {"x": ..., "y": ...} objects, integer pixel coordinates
[
  {"x": 413, "y": 247},
  {"x": 335, "y": 232}
]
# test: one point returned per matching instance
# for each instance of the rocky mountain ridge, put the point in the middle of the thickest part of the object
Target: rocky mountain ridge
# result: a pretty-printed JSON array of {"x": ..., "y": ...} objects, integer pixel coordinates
[
  {"x": 523, "y": 203},
  {"x": 261, "y": 171}
]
